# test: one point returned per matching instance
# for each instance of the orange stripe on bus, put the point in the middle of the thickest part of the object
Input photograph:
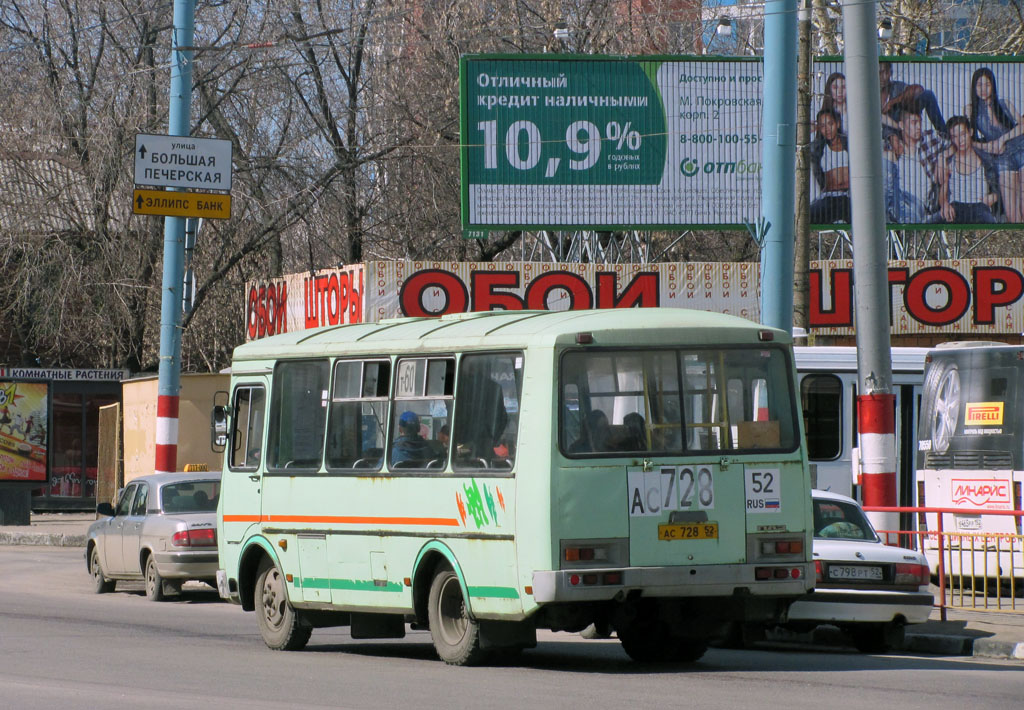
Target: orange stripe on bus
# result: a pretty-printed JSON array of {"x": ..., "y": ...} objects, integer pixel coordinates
[{"x": 349, "y": 519}]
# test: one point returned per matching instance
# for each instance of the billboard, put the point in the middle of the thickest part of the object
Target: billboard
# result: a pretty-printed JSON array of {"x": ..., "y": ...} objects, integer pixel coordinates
[
  {"x": 961, "y": 297},
  {"x": 965, "y": 297},
  {"x": 609, "y": 142},
  {"x": 23, "y": 431},
  {"x": 654, "y": 142},
  {"x": 951, "y": 142}
]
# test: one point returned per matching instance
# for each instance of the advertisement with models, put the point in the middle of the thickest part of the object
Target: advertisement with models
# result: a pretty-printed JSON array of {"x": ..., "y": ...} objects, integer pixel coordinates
[{"x": 22, "y": 431}]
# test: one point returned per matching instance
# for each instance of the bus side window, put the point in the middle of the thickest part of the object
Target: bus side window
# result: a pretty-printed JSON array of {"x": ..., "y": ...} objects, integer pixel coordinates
[
  {"x": 486, "y": 426},
  {"x": 422, "y": 402},
  {"x": 357, "y": 420},
  {"x": 247, "y": 434},
  {"x": 298, "y": 413},
  {"x": 821, "y": 397}
]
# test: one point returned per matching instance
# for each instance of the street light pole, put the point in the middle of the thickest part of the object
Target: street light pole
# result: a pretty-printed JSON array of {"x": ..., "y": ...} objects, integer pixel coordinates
[
  {"x": 801, "y": 226},
  {"x": 178, "y": 124},
  {"x": 777, "y": 158},
  {"x": 876, "y": 425}
]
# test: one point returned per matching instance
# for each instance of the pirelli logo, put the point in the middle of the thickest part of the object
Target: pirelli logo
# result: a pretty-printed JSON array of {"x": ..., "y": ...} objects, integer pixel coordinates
[{"x": 983, "y": 414}]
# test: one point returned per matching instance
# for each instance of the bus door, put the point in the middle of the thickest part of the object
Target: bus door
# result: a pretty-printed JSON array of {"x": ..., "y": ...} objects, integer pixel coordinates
[{"x": 241, "y": 481}]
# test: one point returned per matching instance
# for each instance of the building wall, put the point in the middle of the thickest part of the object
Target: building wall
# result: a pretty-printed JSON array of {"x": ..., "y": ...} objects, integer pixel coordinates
[{"x": 139, "y": 398}]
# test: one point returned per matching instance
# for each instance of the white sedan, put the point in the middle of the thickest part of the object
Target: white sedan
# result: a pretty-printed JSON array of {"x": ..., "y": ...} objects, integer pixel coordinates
[{"x": 868, "y": 589}]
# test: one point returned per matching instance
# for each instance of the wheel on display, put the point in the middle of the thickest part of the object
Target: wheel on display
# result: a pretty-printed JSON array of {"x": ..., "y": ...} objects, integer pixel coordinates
[
  {"x": 941, "y": 409},
  {"x": 281, "y": 627}
]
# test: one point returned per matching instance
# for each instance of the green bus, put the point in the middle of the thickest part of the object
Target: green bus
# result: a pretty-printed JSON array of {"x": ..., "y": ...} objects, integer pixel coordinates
[{"x": 486, "y": 475}]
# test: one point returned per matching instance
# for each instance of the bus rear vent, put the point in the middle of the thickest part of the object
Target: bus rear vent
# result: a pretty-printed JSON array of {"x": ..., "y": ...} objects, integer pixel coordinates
[{"x": 963, "y": 460}]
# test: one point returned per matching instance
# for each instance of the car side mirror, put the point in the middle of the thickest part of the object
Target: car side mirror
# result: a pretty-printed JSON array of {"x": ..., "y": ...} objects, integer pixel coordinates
[
  {"x": 105, "y": 509},
  {"x": 219, "y": 428}
]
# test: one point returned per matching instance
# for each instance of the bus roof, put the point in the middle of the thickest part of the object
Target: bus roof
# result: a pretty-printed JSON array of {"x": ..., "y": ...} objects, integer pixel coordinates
[{"x": 509, "y": 329}]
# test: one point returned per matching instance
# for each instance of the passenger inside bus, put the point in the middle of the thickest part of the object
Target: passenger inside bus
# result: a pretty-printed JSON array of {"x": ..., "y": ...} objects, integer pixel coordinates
[
  {"x": 480, "y": 418},
  {"x": 594, "y": 435},
  {"x": 444, "y": 439},
  {"x": 409, "y": 447},
  {"x": 636, "y": 428}
]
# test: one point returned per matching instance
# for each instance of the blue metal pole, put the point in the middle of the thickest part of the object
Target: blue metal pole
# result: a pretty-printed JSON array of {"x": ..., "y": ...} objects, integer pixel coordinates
[
  {"x": 179, "y": 124},
  {"x": 778, "y": 160}
]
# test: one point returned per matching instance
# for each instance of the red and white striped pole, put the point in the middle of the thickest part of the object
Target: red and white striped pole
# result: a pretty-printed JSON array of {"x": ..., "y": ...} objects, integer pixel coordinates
[
  {"x": 166, "y": 433},
  {"x": 876, "y": 429}
]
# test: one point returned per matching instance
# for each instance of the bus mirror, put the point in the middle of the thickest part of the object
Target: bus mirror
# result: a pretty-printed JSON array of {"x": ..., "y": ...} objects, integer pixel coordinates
[{"x": 219, "y": 428}]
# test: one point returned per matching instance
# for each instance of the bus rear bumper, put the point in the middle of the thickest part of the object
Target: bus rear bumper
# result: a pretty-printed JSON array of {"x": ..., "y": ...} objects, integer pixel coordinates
[{"x": 696, "y": 581}]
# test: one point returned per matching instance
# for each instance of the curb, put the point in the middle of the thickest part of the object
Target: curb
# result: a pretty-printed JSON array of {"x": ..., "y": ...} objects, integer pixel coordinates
[
  {"x": 42, "y": 539},
  {"x": 989, "y": 648},
  {"x": 940, "y": 645},
  {"x": 933, "y": 644}
]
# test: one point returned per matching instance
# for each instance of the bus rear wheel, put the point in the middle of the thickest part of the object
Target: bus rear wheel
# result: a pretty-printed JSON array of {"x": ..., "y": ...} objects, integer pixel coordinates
[
  {"x": 280, "y": 625},
  {"x": 456, "y": 637},
  {"x": 653, "y": 645}
]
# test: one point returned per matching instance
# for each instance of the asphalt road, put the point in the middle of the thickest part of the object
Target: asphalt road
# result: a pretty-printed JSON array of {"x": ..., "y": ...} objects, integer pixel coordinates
[{"x": 61, "y": 646}]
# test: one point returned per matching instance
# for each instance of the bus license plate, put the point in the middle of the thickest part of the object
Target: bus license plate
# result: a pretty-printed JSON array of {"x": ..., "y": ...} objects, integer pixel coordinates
[
  {"x": 854, "y": 572},
  {"x": 688, "y": 531}
]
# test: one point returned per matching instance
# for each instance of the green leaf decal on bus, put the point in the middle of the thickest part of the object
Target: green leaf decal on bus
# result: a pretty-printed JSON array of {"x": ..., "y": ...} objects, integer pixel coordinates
[{"x": 475, "y": 504}]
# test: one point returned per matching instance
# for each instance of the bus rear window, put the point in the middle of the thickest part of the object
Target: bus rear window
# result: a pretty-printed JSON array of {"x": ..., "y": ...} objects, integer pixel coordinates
[{"x": 676, "y": 401}]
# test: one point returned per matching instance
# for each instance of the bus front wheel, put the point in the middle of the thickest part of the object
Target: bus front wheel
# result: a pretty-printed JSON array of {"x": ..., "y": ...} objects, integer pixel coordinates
[
  {"x": 280, "y": 625},
  {"x": 456, "y": 637}
]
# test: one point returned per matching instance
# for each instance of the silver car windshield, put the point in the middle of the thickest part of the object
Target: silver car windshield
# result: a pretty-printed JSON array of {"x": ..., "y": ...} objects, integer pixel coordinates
[
  {"x": 190, "y": 497},
  {"x": 839, "y": 520}
]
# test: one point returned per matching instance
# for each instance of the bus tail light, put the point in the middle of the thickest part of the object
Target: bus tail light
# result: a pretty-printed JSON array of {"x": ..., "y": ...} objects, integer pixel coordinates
[
  {"x": 596, "y": 578},
  {"x": 817, "y": 571},
  {"x": 766, "y": 573},
  {"x": 585, "y": 554},
  {"x": 782, "y": 547},
  {"x": 203, "y": 537},
  {"x": 911, "y": 574},
  {"x": 579, "y": 554}
]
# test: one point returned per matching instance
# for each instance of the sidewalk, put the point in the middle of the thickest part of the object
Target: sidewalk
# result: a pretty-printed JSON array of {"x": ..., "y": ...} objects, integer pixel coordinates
[
  {"x": 60, "y": 529},
  {"x": 964, "y": 633}
]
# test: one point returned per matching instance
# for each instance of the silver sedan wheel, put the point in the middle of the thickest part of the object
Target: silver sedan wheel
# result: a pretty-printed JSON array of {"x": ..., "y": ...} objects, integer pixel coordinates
[{"x": 154, "y": 582}]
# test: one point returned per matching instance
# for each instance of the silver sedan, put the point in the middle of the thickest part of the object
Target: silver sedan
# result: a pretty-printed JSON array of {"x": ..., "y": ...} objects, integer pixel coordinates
[{"x": 163, "y": 530}]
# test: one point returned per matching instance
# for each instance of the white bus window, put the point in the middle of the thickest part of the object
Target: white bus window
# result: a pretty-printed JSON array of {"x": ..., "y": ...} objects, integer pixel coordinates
[
  {"x": 422, "y": 406},
  {"x": 821, "y": 398},
  {"x": 357, "y": 421},
  {"x": 487, "y": 411},
  {"x": 298, "y": 413},
  {"x": 247, "y": 437}
]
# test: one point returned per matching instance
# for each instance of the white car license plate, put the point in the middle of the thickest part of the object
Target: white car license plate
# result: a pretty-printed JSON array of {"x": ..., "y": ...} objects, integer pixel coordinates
[{"x": 854, "y": 572}]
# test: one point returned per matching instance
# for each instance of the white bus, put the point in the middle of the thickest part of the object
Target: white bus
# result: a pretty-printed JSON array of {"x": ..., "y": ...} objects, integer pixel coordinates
[{"x": 828, "y": 391}]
